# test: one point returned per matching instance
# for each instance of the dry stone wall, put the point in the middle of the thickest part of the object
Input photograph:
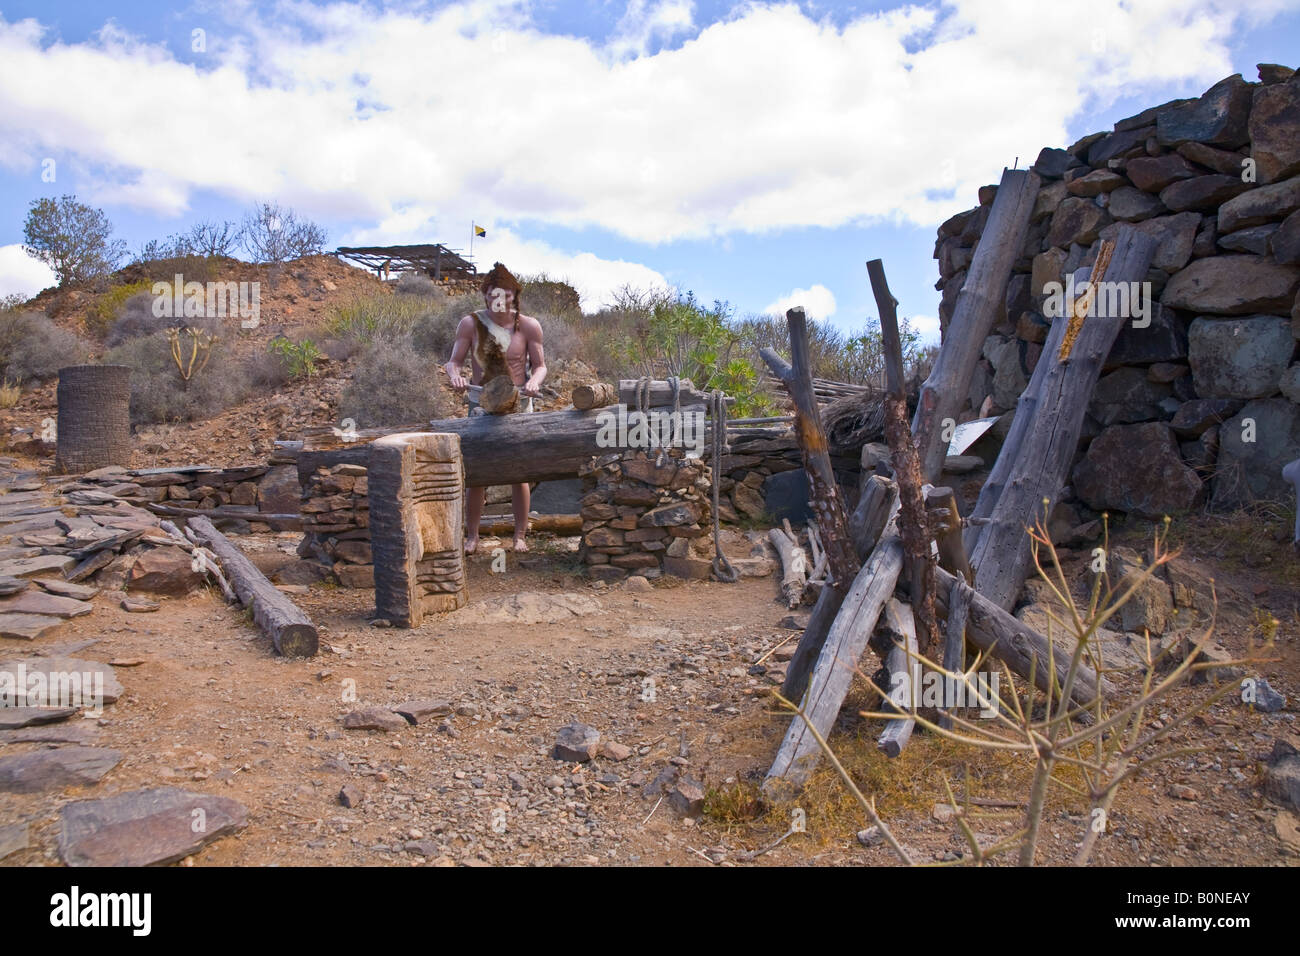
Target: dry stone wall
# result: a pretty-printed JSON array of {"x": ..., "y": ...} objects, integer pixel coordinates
[{"x": 1199, "y": 401}]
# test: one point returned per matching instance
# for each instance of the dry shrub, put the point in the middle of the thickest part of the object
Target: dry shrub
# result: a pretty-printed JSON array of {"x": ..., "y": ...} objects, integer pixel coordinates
[
  {"x": 135, "y": 318},
  {"x": 33, "y": 348},
  {"x": 393, "y": 384},
  {"x": 416, "y": 283},
  {"x": 158, "y": 394}
]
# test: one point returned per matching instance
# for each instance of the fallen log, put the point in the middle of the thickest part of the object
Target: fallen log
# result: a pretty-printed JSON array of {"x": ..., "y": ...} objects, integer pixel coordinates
[
  {"x": 290, "y": 630},
  {"x": 551, "y": 524},
  {"x": 904, "y": 672},
  {"x": 1041, "y": 462},
  {"x": 596, "y": 395},
  {"x": 978, "y": 305},
  {"x": 794, "y": 566},
  {"x": 661, "y": 393}
]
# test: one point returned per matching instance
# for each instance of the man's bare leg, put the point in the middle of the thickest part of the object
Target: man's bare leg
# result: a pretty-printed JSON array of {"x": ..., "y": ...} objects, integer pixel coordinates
[
  {"x": 520, "y": 498},
  {"x": 474, "y": 511}
]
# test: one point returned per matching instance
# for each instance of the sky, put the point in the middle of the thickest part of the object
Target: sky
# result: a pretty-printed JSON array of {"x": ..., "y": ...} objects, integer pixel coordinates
[{"x": 753, "y": 153}]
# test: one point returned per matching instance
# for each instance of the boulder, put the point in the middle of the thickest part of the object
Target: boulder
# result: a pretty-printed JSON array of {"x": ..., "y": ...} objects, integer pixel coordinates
[
  {"x": 1202, "y": 193},
  {"x": 1053, "y": 163},
  {"x": 1117, "y": 145},
  {"x": 41, "y": 771},
  {"x": 1259, "y": 205},
  {"x": 1219, "y": 160},
  {"x": 164, "y": 570},
  {"x": 1233, "y": 285},
  {"x": 1095, "y": 183},
  {"x": 1219, "y": 117},
  {"x": 145, "y": 827},
  {"x": 1163, "y": 340},
  {"x": 1195, "y": 416},
  {"x": 1125, "y": 396},
  {"x": 1289, "y": 386},
  {"x": 1174, "y": 236},
  {"x": 1284, "y": 244},
  {"x": 1254, "y": 446},
  {"x": 1153, "y": 173},
  {"x": 1239, "y": 358},
  {"x": 1129, "y": 204},
  {"x": 278, "y": 491},
  {"x": 1077, "y": 220},
  {"x": 1275, "y": 131},
  {"x": 1253, "y": 240},
  {"x": 577, "y": 743},
  {"x": 1046, "y": 268},
  {"x": 1050, "y": 195},
  {"x": 1106, "y": 479}
]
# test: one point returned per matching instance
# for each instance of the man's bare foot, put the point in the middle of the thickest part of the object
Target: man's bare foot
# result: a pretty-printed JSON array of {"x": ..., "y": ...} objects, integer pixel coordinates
[
  {"x": 471, "y": 545},
  {"x": 520, "y": 543}
]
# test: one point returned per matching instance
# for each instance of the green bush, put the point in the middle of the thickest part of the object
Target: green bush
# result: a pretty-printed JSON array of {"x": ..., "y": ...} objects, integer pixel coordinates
[
  {"x": 113, "y": 303},
  {"x": 392, "y": 384},
  {"x": 158, "y": 394},
  {"x": 298, "y": 358},
  {"x": 33, "y": 348}
]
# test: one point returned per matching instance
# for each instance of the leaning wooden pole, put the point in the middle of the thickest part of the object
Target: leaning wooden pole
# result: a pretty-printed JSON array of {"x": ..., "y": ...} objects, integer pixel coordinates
[
  {"x": 1038, "y": 472},
  {"x": 290, "y": 630},
  {"x": 977, "y": 308}
]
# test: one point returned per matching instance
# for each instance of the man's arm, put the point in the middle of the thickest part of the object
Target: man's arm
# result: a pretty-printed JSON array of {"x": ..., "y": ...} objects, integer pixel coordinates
[
  {"x": 464, "y": 342},
  {"x": 533, "y": 335}
]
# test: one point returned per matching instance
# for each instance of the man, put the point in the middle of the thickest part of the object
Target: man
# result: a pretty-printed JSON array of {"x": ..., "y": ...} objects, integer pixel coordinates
[{"x": 500, "y": 341}]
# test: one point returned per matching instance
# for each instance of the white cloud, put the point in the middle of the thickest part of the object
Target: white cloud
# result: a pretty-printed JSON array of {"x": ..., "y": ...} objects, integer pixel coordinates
[
  {"x": 927, "y": 326},
  {"x": 21, "y": 274},
  {"x": 761, "y": 121},
  {"x": 817, "y": 302}
]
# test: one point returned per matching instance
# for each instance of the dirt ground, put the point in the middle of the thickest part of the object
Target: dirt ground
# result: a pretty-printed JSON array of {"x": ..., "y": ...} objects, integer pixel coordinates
[{"x": 210, "y": 707}]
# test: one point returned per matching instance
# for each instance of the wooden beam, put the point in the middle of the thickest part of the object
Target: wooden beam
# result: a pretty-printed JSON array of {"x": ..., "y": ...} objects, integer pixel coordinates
[
  {"x": 904, "y": 677},
  {"x": 978, "y": 305}
]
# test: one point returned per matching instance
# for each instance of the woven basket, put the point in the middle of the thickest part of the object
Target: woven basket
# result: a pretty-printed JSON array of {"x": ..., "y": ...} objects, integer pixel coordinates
[{"x": 94, "y": 418}]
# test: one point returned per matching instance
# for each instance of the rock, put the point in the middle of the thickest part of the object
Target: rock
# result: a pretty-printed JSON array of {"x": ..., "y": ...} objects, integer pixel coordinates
[
  {"x": 354, "y": 552},
  {"x": 360, "y": 576},
  {"x": 302, "y": 572},
  {"x": 1194, "y": 417},
  {"x": 1289, "y": 385},
  {"x": 1153, "y": 173},
  {"x": 942, "y": 813},
  {"x": 79, "y": 592},
  {"x": 1233, "y": 285},
  {"x": 90, "y": 565},
  {"x": 1117, "y": 145},
  {"x": 1282, "y": 777},
  {"x": 45, "y": 770},
  {"x": 1219, "y": 117},
  {"x": 1275, "y": 131},
  {"x": 1174, "y": 235},
  {"x": 651, "y": 471},
  {"x": 374, "y": 718},
  {"x": 606, "y": 574},
  {"x": 576, "y": 742},
  {"x": 1284, "y": 244},
  {"x": 82, "y": 732},
  {"x": 165, "y": 570},
  {"x": 1125, "y": 396},
  {"x": 27, "y": 626},
  {"x": 1151, "y": 607},
  {"x": 669, "y": 515},
  {"x": 1106, "y": 479},
  {"x": 1162, "y": 340},
  {"x": 1203, "y": 193},
  {"x": 687, "y": 796},
  {"x": 1254, "y": 446},
  {"x": 1270, "y": 73},
  {"x": 747, "y": 500},
  {"x": 536, "y": 607},
  {"x": 278, "y": 491},
  {"x": 615, "y": 751},
  {"x": 1181, "y": 791},
  {"x": 871, "y": 836},
  {"x": 145, "y": 827},
  {"x": 1239, "y": 358},
  {"x": 1266, "y": 699},
  {"x": 418, "y": 711},
  {"x": 1095, "y": 183},
  {"x": 42, "y": 603},
  {"x": 1190, "y": 584},
  {"x": 1260, "y": 205},
  {"x": 9, "y": 585},
  {"x": 350, "y": 796},
  {"x": 139, "y": 605},
  {"x": 1128, "y": 204},
  {"x": 93, "y": 681},
  {"x": 1287, "y": 827},
  {"x": 41, "y": 564},
  {"x": 1077, "y": 220},
  {"x": 1253, "y": 240},
  {"x": 1219, "y": 160},
  {"x": 12, "y": 839},
  {"x": 637, "y": 584},
  {"x": 13, "y": 717},
  {"x": 1053, "y": 163}
]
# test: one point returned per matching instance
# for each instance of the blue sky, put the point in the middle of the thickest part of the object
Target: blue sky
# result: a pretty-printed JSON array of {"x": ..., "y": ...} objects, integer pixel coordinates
[{"x": 755, "y": 153}]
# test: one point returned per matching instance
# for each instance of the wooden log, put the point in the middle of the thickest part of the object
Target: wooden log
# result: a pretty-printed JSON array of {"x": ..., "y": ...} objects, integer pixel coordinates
[
  {"x": 945, "y": 521},
  {"x": 596, "y": 395},
  {"x": 823, "y": 490},
  {"x": 833, "y": 673},
  {"x": 290, "y": 630},
  {"x": 550, "y": 524},
  {"x": 992, "y": 629},
  {"x": 978, "y": 305},
  {"x": 904, "y": 677},
  {"x": 661, "y": 393},
  {"x": 794, "y": 566},
  {"x": 811, "y": 642},
  {"x": 876, "y": 505},
  {"x": 417, "y": 532},
  {"x": 954, "y": 649},
  {"x": 1041, "y": 461}
]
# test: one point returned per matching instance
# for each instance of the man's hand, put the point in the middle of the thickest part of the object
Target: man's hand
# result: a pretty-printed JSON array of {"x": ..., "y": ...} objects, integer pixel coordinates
[
  {"x": 531, "y": 388},
  {"x": 457, "y": 380}
]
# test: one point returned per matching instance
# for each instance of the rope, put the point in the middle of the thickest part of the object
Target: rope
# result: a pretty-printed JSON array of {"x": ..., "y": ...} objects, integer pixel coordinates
[{"x": 722, "y": 569}]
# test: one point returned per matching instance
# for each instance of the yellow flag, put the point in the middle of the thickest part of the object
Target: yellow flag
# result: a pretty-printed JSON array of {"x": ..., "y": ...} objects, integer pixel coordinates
[{"x": 480, "y": 231}]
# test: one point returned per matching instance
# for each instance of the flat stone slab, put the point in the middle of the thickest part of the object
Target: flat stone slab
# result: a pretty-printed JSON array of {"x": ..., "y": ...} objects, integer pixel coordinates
[
  {"x": 12, "y": 839},
  {"x": 11, "y": 718},
  {"x": 80, "y": 592},
  {"x": 41, "y": 564},
  {"x": 145, "y": 827},
  {"x": 11, "y": 585},
  {"x": 27, "y": 626},
  {"x": 534, "y": 607},
  {"x": 59, "y": 671},
  {"x": 374, "y": 718},
  {"x": 45, "y": 770},
  {"x": 81, "y": 732},
  {"x": 41, "y": 602},
  {"x": 418, "y": 711}
]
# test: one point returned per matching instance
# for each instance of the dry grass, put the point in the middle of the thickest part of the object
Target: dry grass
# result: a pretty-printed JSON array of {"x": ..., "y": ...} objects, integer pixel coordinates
[{"x": 9, "y": 394}]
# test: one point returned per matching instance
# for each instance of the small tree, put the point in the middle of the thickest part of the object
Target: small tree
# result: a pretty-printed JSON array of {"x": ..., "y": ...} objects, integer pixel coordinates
[
  {"x": 209, "y": 238},
  {"x": 273, "y": 235},
  {"x": 72, "y": 238}
]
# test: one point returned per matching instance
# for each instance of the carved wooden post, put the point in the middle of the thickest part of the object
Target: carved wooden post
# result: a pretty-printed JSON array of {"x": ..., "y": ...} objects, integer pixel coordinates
[{"x": 416, "y": 525}]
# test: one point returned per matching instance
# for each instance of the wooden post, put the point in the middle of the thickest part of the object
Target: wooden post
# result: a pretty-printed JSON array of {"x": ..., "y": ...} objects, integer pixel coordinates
[
  {"x": 794, "y": 566},
  {"x": 978, "y": 304},
  {"x": 903, "y": 666},
  {"x": 290, "y": 630},
  {"x": 416, "y": 526},
  {"x": 1003, "y": 556}
]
